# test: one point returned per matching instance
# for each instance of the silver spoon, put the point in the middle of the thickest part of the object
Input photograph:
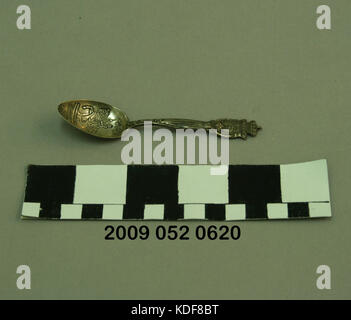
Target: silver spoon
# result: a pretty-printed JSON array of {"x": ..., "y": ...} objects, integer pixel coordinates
[{"x": 102, "y": 120}]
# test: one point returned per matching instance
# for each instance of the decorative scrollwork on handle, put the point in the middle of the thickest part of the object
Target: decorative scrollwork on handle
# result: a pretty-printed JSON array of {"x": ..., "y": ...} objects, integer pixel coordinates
[{"x": 237, "y": 128}]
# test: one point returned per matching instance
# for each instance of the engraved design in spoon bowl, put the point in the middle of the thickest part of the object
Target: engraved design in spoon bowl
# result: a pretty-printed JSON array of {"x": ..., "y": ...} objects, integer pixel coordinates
[{"x": 96, "y": 118}]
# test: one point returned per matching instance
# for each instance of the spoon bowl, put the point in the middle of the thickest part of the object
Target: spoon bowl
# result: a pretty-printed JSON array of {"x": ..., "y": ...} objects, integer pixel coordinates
[{"x": 96, "y": 118}]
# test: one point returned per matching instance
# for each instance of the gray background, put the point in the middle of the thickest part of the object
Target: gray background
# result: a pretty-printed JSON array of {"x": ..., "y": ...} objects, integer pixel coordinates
[{"x": 263, "y": 60}]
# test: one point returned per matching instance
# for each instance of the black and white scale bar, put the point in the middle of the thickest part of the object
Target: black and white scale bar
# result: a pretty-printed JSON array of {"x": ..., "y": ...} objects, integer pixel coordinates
[
  {"x": 216, "y": 212},
  {"x": 172, "y": 192}
]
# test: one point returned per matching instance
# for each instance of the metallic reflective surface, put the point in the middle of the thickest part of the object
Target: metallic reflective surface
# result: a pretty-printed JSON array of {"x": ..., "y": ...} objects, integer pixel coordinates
[
  {"x": 95, "y": 118},
  {"x": 102, "y": 120}
]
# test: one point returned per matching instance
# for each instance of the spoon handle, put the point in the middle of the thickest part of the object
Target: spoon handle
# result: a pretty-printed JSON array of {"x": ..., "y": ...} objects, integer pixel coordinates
[
  {"x": 237, "y": 128},
  {"x": 174, "y": 123}
]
